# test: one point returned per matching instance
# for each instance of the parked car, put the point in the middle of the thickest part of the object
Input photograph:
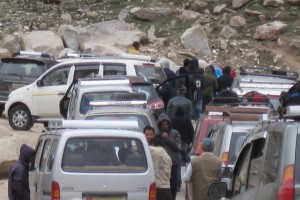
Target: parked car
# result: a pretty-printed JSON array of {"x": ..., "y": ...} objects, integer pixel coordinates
[
  {"x": 265, "y": 81},
  {"x": 268, "y": 165},
  {"x": 39, "y": 101},
  {"x": 68, "y": 165},
  {"x": 20, "y": 70}
]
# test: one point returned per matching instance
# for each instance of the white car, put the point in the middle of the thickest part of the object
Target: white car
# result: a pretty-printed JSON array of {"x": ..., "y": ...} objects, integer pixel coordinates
[
  {"x": 80, "y": 159},
  {"x": 39, "y": 101}
]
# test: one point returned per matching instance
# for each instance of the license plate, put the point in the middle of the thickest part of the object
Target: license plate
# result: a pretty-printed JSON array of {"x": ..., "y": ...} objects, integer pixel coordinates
[{"x": 105, "y": 198}]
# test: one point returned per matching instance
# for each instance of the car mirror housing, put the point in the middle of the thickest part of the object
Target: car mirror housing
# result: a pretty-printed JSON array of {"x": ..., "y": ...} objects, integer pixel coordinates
[
  {"x": 217, "y": 190},
  {"x": 39, "y": 83}
]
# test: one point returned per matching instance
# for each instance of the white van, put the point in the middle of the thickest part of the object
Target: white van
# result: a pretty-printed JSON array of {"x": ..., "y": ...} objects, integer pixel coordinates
[
  {"x": 97, "y": 162},
  {"x": 39, "y": 101}
]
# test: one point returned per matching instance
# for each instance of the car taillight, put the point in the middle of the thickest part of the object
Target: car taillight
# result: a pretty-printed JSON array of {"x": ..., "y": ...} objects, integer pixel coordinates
[
  {"x": 55, "y": 191},
  {"x": 152, "y": 192},
  {"x": 287, "y": 186},
  {"x": 224, "y": 158},
  {"x": 157, "y": 105}
]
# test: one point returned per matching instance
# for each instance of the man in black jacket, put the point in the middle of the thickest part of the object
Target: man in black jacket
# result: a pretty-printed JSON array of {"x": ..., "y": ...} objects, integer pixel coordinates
[{"x": 18, "y": 183}]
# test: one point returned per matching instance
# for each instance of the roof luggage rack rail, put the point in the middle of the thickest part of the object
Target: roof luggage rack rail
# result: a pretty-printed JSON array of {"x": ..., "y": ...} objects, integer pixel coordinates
[
  {"x": 89, "y": 124},
  {"x": 288, "y": 74},
  {"x": 240, "y": 101},
  {"x": 32, "y": 53},
  {"x": 119, "y": 56}
]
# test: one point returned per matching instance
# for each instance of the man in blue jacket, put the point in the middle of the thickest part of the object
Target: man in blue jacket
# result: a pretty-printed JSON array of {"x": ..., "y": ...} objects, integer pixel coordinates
[{"x": 18, "y": 183}]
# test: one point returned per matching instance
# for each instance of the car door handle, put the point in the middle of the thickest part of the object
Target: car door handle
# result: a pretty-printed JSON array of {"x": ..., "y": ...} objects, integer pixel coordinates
[{"x": 61, "y": 93}]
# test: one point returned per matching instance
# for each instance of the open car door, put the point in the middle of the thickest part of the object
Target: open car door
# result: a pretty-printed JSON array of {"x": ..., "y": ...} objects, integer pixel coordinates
[
  {"x": 65, "y": 101},
  {"x": 168, "y": 89}
]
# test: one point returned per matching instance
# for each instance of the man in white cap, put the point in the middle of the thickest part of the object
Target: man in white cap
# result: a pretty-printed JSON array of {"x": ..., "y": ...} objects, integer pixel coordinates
[{"x": 203, "y": 170}]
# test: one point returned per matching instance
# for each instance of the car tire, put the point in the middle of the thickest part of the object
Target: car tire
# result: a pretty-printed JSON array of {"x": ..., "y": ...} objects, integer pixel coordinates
[{"x": 20, "y": 118}]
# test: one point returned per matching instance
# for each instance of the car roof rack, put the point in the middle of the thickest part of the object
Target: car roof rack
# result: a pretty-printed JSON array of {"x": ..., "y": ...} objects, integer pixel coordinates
[
  {"x": 90, "y": 124},
  {"x": 287, "y": 74},
  {"x": 220, "y": 110},
  {"x": 120, "y": 56},
  {"x": 103, "y": 81},
  {"x": 240, "y": 101},
  {"x": 31, "y": 53}
]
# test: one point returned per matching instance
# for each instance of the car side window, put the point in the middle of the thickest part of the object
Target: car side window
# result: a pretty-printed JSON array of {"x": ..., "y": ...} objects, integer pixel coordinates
[
  {"x": 52, "y": 155},
  {"x": 44, "y": 156},
  {"x": 241, "y": 176},
  {"x": 57, "y": 77},
  {"x": 114, "y": 69},
  {"x": 256, "y": 161},
  {"x": 38, "y": 154},
  {"x": 218, "y": 138},
  {"x": 271, "y": 164},
  {"x": 85, "y": 71}
]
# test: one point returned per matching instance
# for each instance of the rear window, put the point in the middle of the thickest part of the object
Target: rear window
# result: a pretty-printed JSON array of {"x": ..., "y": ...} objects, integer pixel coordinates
[
  {"x": 114, "y": 69},
  {"x": 149, "y": 90},
  {"x": 142, "y": 120},
  {"x": 104, "y": 155},
  {"x": 21, "y": 69},
  {"x": 96, "y": 96},
  {"x": 155, "y": 74},
  {"x": 236, "y": 143}
]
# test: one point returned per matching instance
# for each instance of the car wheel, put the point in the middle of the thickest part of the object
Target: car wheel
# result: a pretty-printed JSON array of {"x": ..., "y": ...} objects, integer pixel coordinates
[{"x": 20, "y": 118}]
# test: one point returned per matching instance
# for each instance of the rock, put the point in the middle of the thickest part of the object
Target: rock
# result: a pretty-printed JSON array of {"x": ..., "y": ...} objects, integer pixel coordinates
[
  {"x": 239, "y": 3},
  {"x": 66, "y": 17},
  {"x": 223, "y": 44},
  {"x": 252, "y": 12},
  {"x": 92, "y": 14},
  {"x": 188, "y": 15},
  {"x": 52, "y": 1},
  {"x": 64, "y": 52},
  {"x": 123, "y": 13},
  {"x": 227, "y": 32},
  {"x": 134, "y": 10},
  {"x": 69, "y": 36},
  {"x": 36, "y": 41},
  {"x": 233, "y": 43},
  {"x": 198, "y": 5},
  {"x": 196, "y": 40},
  {"x": 237, "y": 22},
  {"x": 154, "y": 13},
  {"x": 172, "y": 55},
  {"x": 4, "y": 53},
  {"x": 219, "y": 9},
  {"x": 11, "y": 43},
  {"x": 294, "y": 2},
  {"x": 269, "y": 31},
  {"x": 109, "y": 33},
  {"x": 151, "y": 33},
  {"x": 273, "y": 3}
]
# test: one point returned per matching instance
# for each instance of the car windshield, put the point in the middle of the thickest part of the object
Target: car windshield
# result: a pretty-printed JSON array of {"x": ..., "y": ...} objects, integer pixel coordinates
[
  {"x": 155, "y": 74},
  {"x": 118, "y": 155},
  {"x": 237, "y": 139},
  {"x": 21, "y": 69},
  {"x": 142, "y": 120}
]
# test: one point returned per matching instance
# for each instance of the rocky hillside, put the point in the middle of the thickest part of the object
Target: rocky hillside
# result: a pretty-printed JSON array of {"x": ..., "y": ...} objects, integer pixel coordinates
[{"x": 258, "y": 33}]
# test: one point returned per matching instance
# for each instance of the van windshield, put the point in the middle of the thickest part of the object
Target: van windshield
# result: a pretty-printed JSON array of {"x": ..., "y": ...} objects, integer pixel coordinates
[{"x": 104, "y": 155}]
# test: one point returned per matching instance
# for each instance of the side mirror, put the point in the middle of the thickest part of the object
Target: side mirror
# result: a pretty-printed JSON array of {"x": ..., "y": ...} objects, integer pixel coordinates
[
  {"x": 39, "y": 83},
  {"x": 217, "y": 190},
  {"x": 226, "y": 172}
]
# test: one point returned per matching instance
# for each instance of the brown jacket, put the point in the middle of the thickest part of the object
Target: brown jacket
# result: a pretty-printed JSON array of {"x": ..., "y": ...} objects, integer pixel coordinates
[{"x": 205, "y": 170}]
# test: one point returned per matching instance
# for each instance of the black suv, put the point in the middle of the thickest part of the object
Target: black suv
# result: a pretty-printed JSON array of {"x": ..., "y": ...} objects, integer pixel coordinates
[{"x": 20, "y": 70}]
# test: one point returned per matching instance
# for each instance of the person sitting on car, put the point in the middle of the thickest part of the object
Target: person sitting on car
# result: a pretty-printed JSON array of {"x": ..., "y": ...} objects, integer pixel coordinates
[{"x": 135, "y": 49}]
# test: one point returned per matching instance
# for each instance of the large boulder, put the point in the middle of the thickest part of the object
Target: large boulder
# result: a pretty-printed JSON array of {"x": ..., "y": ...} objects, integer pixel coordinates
[
  {"x": 69, "y": 36},
  {"x": 42, "y": 41},
  {"x": 109, "y": 33},
  {"x": 11, "y": 43},
  {"x": 4, "y": 53},
  {"x": 198, "y": 5},
  {"x": 227, "y": 32},
  {"x": 154, "y": 13},
  {"x": 269, "y": 31},
  {"x": 195, "y": 39}
]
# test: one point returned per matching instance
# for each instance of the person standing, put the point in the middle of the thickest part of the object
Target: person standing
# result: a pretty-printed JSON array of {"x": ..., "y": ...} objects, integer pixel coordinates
[
  {"x": 166, "y": 67},
  {"x": 225, "y": 81},
  {"x": 210, "y": 86},
  {"x": 184, "y": 69},
  {"x": 172, "y": 146},
  {"x": 180, "y": 101},
  {"x": 18, "y": 183},
  {"x": 203, "y": 170},
  {"x": 162, "y": 167},
  {"x": 135, "y": 49}
]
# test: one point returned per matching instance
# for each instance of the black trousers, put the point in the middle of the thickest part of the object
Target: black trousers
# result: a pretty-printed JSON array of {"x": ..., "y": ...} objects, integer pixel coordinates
[{"x": 163, "y": 194}]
